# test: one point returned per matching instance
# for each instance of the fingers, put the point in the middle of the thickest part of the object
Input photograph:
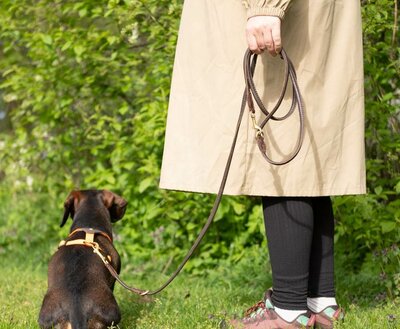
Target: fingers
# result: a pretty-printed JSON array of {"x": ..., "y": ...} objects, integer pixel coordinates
[
  {"x": 253, "y": 44},
  {"x": 269, "y": 42},
  {"x": 264, "y": 32},
  {"x": 276, "y": 37}
]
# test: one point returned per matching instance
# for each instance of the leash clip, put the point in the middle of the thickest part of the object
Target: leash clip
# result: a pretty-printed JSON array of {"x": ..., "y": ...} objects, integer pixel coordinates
[
  {"x": 256, "y": 127},
  {"x": 96, "y": 249}
]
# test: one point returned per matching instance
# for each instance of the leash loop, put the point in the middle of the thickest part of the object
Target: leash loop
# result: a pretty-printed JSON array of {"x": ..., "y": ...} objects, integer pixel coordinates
[{"x": 249, "y": 64}]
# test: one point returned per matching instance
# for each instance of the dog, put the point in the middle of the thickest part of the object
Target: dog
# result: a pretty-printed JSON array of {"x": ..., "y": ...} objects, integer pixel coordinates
[{"x": 80, "y": 287}]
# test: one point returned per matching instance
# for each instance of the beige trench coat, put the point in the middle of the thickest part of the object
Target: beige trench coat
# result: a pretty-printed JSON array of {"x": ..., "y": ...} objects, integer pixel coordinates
[{"x": 323, "y": 39}]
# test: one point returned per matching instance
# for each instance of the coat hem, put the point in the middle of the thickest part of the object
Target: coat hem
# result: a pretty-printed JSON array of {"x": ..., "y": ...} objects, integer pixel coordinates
[{"x": 317, "y": 192}]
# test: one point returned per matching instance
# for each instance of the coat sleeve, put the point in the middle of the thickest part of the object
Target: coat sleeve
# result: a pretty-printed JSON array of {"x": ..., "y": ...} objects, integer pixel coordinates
[{"x": 266, "y": 7}]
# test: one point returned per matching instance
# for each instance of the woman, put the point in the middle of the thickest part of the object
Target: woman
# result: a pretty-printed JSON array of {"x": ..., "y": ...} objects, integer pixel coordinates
[{"x": 323, "y": 40}]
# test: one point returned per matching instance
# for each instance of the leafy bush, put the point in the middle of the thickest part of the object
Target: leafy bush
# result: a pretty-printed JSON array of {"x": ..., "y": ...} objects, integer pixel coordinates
[
  {"x": 85, "y": 86},
  {"x": 372, "y": 222}
]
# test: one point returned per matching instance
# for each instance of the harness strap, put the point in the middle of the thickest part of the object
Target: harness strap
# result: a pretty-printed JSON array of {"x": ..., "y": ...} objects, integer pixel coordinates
[
  {"x": 77, "y": 242},
  {"x": 88, "y": 241},
  {"x": 90, "y": 233}
]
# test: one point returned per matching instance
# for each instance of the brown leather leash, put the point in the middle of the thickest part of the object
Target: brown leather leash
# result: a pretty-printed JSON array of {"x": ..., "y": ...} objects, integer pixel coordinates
[{"x": 249, "y": 65}]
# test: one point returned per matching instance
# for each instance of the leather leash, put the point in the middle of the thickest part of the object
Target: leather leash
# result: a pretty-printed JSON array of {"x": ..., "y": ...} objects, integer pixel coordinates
[{"x": 249, "y": 65}]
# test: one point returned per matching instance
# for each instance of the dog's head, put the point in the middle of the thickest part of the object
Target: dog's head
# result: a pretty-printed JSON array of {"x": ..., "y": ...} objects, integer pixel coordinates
[{"x": 115, "y": 204}]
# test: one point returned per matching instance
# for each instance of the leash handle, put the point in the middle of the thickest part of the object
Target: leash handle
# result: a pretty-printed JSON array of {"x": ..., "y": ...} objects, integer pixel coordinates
[{"x": 250, "y": 92}]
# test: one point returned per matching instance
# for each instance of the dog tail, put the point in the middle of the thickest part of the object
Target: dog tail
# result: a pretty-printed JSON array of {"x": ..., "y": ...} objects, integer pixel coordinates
[{"x": 77, "y": 317}]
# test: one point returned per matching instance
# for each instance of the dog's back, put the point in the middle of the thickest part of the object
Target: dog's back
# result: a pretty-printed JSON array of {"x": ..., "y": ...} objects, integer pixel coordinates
[
  {"x": 84, "y": 299},
  {"x": 80, "y": 288}
]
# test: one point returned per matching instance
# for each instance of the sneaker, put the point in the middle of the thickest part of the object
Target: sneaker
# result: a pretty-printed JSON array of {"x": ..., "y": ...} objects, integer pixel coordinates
[
  {"x": 263, "y": 316},
  {"x": 328, "y": 316}
]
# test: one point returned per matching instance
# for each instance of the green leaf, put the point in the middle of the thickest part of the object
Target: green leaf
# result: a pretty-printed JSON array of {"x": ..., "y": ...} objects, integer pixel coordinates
[
  {"x": 378, "y": 190},
  {"x": 66, "y": 45},
  {"x": 79, "y": 50},
  {"x": 145, "y": 184},
  {"x": 83, "y": 12},
  {"x": 397, "y": 188},
  {"x": 388, "y": 226},
  {"x": 239, "y": 208},
  {"x": 47, "y": 39}
]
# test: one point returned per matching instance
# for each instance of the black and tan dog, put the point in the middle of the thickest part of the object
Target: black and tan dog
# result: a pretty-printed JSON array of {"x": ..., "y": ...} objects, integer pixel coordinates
[{"x": 80, "y": 288}]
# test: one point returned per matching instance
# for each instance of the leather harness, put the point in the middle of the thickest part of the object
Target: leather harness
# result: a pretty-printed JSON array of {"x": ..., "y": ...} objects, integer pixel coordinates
[
  {"x": 88, "y": 241},
  {"x": 250, "y": 92}
]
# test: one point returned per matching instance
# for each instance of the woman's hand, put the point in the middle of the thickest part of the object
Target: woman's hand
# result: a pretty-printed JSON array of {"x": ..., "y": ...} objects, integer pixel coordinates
[{"x": 264, "y": 32}]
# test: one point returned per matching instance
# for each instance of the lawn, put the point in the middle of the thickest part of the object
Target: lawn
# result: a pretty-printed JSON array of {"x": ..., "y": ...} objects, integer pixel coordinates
[{"x": 192, "y": 301}]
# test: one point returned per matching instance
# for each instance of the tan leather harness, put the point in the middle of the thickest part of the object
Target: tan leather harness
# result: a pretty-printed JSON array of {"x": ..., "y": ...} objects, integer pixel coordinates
[{"x": 88, "y": 241}]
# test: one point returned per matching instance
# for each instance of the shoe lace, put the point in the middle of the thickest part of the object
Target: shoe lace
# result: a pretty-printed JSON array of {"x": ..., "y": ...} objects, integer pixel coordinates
[{"x": 256, "y": 307}]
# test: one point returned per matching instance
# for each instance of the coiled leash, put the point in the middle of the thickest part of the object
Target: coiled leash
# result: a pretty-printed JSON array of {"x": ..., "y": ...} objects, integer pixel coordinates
[
  {"x": 249, "y": 64},
  {"x": 250, "y": 93}
]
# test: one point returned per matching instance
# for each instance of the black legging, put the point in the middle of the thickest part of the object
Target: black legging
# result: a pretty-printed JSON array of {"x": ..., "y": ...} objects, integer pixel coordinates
[{"x": 300, "y": 241}]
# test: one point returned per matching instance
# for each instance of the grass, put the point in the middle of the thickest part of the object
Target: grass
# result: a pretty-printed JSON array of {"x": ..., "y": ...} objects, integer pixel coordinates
[{"x": 207, "y": 301}]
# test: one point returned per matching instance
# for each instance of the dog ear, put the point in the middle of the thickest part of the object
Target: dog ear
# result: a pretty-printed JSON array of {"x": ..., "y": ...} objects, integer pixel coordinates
[
  {"x": 69, "y": 207},
  {"x": 115, "y": 204}
]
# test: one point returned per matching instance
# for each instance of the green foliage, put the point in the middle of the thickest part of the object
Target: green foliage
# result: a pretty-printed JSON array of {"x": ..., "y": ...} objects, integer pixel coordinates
[
  {"x": 84, "y": 86},
  {"x": 372, "y": 222},
  {"x": 389, "y": 261}
]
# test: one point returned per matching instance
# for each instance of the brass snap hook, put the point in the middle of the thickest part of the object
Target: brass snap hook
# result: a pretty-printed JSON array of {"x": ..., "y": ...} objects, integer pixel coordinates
[{"x": 256, "y": 127}]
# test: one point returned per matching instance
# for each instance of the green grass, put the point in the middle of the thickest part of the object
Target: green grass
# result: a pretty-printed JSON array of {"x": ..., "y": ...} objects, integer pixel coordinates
[{"x": 207, "y": 301}]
